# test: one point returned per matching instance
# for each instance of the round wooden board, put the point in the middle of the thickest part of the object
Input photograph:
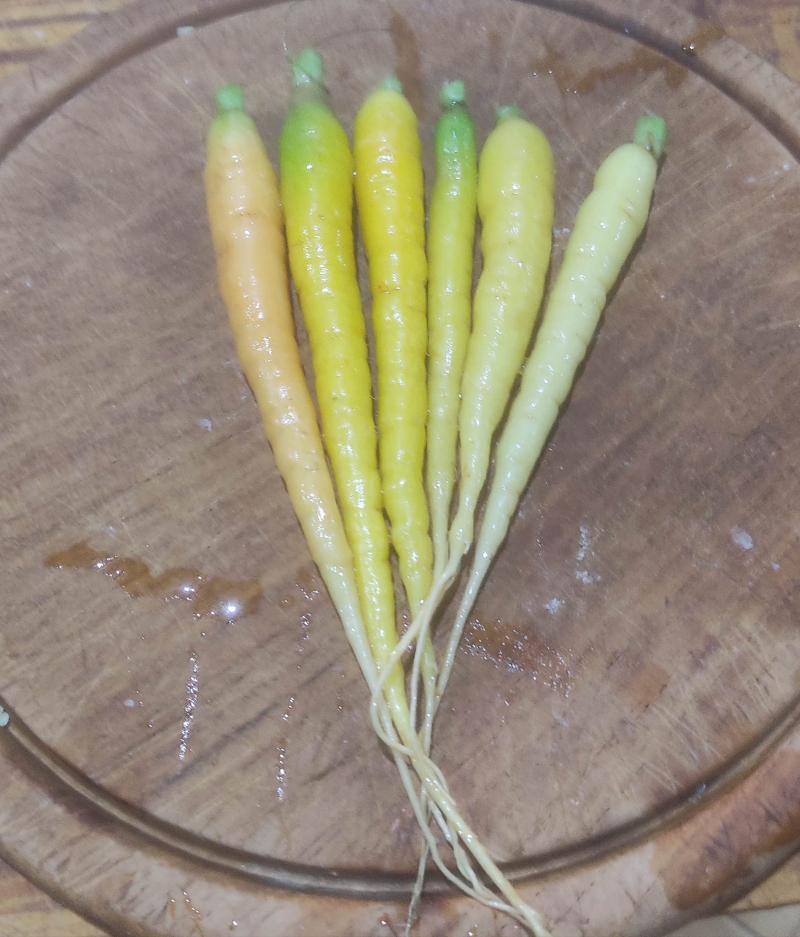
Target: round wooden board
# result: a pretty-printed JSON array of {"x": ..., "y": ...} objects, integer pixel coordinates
[{"x": 621, "y": 728}]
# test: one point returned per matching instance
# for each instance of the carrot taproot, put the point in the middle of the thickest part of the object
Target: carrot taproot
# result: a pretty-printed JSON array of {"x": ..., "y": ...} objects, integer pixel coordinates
[
  {"x": 515, "y": 201},
  {"x": 316, "y": 168},
  {"x": 247, "y": 229},
  {"x": 607, "y": 226},
  {"x": 389, "y": 195},
  {"x": 390, "y": 200},
  {"x": 451, "y": 236},
  {"x": 515, "y": 204}
]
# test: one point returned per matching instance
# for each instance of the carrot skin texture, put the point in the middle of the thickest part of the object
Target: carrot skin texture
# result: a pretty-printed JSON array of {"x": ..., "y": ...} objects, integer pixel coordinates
[
  {"x": 389, "y": 195},
  {"x": 515, "y": 203},
  {"x": 451, "y": 238},
  {"x": 607, "y": 226},
  {"x": 317, "y": 192}
]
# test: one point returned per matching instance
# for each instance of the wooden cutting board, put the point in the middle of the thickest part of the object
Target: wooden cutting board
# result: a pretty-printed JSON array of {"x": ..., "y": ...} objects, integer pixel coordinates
[{"x": 621, "y": 724}]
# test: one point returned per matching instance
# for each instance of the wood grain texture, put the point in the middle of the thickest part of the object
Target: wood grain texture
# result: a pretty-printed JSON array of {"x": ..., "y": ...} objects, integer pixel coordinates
[
  {"x": 662, "y": 535},
  {"x": 30, "y": 27},
  {"x": 780, "y": 888},
  {"x": 26, "y": 911}
]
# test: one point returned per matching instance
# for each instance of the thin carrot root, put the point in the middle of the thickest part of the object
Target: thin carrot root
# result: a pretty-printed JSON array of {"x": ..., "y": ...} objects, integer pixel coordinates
[
  {"x": 451, "y": 236},
  {"x": 453, "y": 826}
]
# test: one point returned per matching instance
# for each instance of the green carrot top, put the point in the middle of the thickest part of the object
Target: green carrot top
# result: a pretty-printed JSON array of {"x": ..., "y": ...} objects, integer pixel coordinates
[
  {"x": 452, "y": 93},
  {"x": 307, "y": 67},
  {"x": 651, "y": 134},
  {"x": 506, "y": 112},
  {"x": 308, "y": 78},
  {"x": 391, "y": 83},
  {"x": 230, "y": 98}
]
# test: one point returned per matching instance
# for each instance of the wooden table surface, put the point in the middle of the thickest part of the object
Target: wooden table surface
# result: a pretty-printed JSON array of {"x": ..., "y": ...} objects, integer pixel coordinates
[{"x": 28, "y": 28}]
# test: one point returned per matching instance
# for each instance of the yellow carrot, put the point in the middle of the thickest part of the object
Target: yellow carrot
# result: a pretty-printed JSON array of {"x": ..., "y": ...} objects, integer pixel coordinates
[
  {"x": 515, "y": 203},
  {"x": 317, "y": 191},
  {"x": 390, "y": 198},
  {"x": 451, "y": 237},
  {"x": 389, "y": 193}
]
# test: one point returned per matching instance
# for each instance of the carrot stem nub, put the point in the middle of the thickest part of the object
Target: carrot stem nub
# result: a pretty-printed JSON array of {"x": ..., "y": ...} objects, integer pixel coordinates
[
  {"x": 230, "y": 98},
  {"x": 391, "y": 83},
  {"x": 453, "y": 92},
  {"x": 506, "y": 112},
  {"x": 651, "y": 134},
  {"x": 307, "y": 68}
]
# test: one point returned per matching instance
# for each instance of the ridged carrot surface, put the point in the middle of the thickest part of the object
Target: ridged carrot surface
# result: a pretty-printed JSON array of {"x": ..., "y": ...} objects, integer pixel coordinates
[
  {"x": 451, "y": 241},
  {"x": 390, "y": 198},
  {"x": 515, "y": 202},
  {"x": 316, "y": 168}
]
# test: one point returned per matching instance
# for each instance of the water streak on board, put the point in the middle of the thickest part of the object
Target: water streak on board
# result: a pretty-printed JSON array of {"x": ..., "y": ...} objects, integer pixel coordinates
[
  {"x": 305, "y": 633},
  {"x": 643, "y": 61},
  {"x": 209, "y": 597},
  {"x": 519, "y": 650},
  {"x": 408, "y": 62},
  {"x": 280, "y": 747},
  {"x": 194, "y": 914},
  {"x": 192, "y": 688},
  {"x": 308, "y": 586}
]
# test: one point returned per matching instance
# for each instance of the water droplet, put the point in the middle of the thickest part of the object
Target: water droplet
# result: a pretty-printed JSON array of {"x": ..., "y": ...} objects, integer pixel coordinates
[{"x": 189, "y": 707}]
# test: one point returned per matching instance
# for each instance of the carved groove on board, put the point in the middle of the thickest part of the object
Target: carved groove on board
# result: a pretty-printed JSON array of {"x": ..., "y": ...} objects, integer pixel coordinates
[
  {"x": 15, "y": 124},
  {"x": 376, "y": 885}
]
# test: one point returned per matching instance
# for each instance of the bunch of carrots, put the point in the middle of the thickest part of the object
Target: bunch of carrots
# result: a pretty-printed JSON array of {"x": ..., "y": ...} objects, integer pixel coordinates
[{"x": 447, "y": 362}]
